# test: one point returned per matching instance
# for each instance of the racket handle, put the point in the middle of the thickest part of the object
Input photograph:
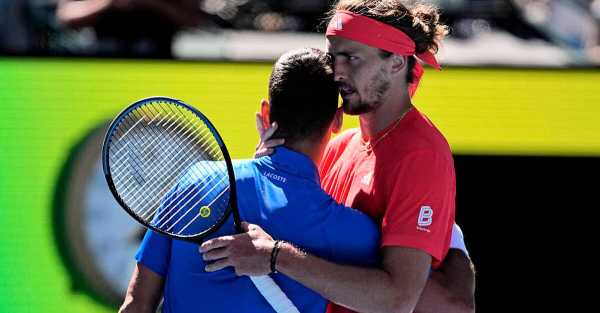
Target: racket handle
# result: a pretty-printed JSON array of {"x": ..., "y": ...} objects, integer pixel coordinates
[{"x": 273, "y": 294}]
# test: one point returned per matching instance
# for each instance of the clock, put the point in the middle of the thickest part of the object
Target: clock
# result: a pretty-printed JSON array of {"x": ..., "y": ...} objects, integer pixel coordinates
[{"x": 96, "y": 238}]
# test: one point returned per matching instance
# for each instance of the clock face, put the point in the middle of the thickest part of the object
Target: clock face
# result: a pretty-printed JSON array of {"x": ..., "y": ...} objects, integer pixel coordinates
[
  {"x": 96, "y": 237},
  {"x": 112, "y": 235}
]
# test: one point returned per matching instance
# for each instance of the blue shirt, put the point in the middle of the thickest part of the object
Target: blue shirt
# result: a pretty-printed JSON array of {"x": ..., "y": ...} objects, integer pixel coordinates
[{"x": 282, "y": 194}]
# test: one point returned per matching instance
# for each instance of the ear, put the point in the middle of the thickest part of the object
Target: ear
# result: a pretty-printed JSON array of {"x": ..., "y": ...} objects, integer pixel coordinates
[
  {"x": 399, "y": 63},
  {"x": 338, "y": 120},
  {"x": 265, "y": 110}
]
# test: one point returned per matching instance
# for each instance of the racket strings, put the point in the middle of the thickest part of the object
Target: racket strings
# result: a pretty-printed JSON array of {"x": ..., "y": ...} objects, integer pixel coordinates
[
  {"x": 168, "y": 128},
  {"x": 158, "y": 170},
  {"x": 211, "y": 204},
  {"x": 157, "y": 137},
  {"x": 128, "y": 185},
  {"x": 155, "y": 146},
  {"x": 162, "y": 137},
  {"x": 193, "y": 207},
  {"x": 190, "y": 194}
]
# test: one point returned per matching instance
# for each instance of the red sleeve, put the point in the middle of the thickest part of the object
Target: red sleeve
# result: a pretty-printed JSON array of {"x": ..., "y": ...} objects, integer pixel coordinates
[{"x": 420, "y": 212}]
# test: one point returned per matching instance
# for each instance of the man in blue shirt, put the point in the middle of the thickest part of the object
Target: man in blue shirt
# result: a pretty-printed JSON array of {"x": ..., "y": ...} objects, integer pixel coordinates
[{"x": 281, "y": 192}]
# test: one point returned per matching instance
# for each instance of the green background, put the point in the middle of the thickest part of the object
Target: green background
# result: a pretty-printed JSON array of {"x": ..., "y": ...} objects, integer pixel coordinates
[{"x": 48, "y": 105}]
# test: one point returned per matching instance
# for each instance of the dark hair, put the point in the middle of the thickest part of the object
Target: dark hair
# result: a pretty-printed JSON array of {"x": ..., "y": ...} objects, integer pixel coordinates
[
  {"x": 421, "y": 22},
  {"x": 303, "y": 95}
]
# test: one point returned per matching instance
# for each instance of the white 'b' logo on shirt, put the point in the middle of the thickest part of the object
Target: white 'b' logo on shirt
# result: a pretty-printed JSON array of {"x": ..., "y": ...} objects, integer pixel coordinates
[{"x": 425, "y": 216}]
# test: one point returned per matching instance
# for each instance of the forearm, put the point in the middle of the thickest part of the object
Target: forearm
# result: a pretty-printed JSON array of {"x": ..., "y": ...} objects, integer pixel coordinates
[
  {"x": 131, "y": 305},
  {"x": 451, "y": 288},
  {"x": 361, "y": 289},
  {"x": 81, "y": 13},
  {"x": 144, "y": 291},
  {"x": 437, "y": 298}
]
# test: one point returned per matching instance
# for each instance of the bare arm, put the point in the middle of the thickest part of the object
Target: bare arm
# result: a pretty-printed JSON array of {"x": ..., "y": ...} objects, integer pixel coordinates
[
  {"x": 144, "y": 291},
  {"x": 395, "y": 288},
  {"x": 451, "y": 288}
]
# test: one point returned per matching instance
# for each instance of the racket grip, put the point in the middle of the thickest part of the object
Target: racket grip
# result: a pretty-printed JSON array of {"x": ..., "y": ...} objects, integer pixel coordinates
[{"x": 273, "y": 294}]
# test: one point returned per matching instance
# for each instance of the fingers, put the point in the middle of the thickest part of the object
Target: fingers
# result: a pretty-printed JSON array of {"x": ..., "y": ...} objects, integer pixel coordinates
[
  {"x": 215, "y": 254},
  {"x": 267, "y": 148},
  {"x": 265, "y": 145},
  {"x": 245, "y": 226},
  {"x": 263, "y": 133},
  {"x": 254, "y": 227},
  {"x": 268, "y": 132},
  {"x": 259, "y": 125},
  {"x": 269, "y": 144},
  {"x": 220, "y": 242},
  {"x": 263, "y": 152},
  {"x": 217, "y": 265}
]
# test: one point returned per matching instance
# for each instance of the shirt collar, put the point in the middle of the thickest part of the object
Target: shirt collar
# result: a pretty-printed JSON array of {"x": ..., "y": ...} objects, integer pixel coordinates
[
  {"x": 295, "y": 163},
  {"x": 394, "y": 127}
]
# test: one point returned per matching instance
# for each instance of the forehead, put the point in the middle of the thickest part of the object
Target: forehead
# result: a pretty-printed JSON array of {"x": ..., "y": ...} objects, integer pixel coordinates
[{"x": 336, "y": 44}]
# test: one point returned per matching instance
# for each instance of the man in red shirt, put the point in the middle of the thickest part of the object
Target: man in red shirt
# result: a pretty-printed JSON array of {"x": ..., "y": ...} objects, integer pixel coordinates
[{"x": 397, "y": 168}]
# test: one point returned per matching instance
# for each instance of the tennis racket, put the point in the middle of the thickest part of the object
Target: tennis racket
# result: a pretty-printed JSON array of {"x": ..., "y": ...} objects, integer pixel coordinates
[{"x": 167, "y": 166}]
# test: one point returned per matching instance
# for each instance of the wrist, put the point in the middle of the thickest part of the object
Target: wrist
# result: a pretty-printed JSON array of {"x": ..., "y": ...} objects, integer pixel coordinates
[
  {"x": 274, "y": 255},
  {"x": 288, "y": 255}
]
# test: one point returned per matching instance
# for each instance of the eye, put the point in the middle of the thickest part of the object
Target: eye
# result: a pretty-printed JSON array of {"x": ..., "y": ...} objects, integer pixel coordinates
[{"x": 353, "y": 58}]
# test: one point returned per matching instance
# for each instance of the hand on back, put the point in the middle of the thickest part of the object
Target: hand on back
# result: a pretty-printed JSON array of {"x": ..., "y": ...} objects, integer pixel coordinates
[{"x": 266, "y": 145}]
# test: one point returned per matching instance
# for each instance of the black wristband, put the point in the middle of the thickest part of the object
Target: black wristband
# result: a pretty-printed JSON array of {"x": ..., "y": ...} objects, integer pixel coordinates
[{"x": 274, "y": 254}]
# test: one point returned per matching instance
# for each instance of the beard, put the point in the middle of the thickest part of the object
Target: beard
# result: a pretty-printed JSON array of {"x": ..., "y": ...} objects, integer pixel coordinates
[
  {"x": 356, "y": 107},
  {"x": 355, "y": 104}
]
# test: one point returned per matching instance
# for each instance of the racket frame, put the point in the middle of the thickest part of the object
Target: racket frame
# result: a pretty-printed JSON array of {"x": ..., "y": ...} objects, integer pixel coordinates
[
  {"x": 264, "y": 284},
  {"x": 231, "y": 208}
]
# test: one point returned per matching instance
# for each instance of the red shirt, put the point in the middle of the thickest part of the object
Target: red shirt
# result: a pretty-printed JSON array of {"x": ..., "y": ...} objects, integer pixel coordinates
[{"x": 403, "y": 178}]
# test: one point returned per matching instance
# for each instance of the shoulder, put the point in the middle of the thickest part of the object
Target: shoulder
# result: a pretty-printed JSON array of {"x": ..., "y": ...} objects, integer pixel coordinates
[
  {"x": 424, "y": 160},
  {"x": 198, "y": 173},
  {"x": 428, "y": 135},
  {"x": 341, "y": 140},
  {"x": 419, "y": 137},
  {"x": 336, "y": 147}
]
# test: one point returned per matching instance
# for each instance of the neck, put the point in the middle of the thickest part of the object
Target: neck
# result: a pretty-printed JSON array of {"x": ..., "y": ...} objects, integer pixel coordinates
[
  {"x": 309, "y": 148},
  {"x": 396, "y": 105}
]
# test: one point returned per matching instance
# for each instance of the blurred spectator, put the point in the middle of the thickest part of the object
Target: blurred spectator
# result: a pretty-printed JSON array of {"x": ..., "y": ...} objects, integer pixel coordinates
[
  {"x": 20, "y": 27},
  {"x": 570, "y": 23},
  {"x": 595, "y": 8},
  {"x": 131, "y": 28},
  {"x": 146, "y": 28},
  {"x": 14, "y": 36},
  {"x": 594, "y": 52}
]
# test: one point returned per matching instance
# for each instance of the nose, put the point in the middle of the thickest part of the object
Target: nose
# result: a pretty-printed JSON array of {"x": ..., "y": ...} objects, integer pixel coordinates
[{"x": 339, "y": 70}]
